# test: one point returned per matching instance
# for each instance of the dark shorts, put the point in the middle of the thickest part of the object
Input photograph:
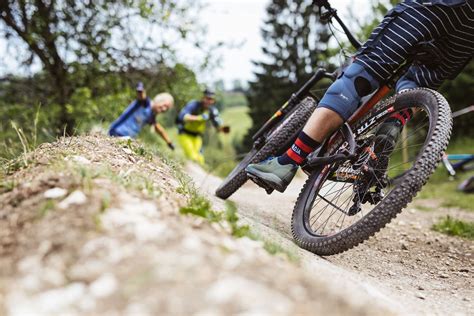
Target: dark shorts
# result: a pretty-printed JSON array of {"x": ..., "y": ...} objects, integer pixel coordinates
[{"x": 449, "y": 29}]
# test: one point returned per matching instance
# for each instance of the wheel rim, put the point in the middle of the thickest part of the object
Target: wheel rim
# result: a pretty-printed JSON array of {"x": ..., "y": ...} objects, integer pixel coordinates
[{"x": 342, "y": 196}]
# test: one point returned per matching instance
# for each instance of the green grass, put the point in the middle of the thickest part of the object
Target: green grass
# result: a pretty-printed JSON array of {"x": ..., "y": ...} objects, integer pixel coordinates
[
  {"x": 219, "y": 151},
  {"x": 233, "y": 99},
  {"x": 45, "y": 207},
  {"x": 200, "y": 206},
  {"x": 440, "y": 186},
  {"x": 423, "y": 208},
  {"x": 239, "y": 121},
  {"x": 7, "y": 186},
  {"x": 455, "y": 227}
]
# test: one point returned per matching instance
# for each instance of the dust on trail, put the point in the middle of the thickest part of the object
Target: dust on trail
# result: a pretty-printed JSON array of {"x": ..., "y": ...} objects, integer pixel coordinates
[
  {"x": 91, "y": 227},
  {"x": 406, "y": 266}
]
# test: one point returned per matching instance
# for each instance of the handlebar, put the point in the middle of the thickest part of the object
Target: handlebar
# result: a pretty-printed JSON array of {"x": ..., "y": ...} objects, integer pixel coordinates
[{"x": 332, "y": 13}]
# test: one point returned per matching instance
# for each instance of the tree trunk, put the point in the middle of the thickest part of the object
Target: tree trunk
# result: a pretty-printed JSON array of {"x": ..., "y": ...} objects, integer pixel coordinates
[{"x": 67, "y": 123}]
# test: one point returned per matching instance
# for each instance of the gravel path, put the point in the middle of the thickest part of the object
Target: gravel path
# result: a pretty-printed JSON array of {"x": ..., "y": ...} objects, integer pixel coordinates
[
  {"x": 406, "y": 267},
  {"x": 92, "y": 228}
]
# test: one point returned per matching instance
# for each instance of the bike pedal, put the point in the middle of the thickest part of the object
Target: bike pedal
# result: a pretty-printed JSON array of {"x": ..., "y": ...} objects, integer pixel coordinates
[{"x": 261, "y": 183}]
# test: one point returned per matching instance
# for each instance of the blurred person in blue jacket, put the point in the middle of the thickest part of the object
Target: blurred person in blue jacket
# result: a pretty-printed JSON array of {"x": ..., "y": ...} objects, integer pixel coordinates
[{"x": 142, "y": 111}]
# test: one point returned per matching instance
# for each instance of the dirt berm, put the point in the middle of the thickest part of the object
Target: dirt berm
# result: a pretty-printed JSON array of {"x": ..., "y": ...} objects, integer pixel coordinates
[{"x": 91, "y": 226}]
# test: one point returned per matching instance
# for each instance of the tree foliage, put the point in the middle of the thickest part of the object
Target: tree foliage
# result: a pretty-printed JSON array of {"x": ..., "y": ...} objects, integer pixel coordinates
[
  {"x": 295, "y": 44},
  {"x": 79, "y": 42},
  {"x": 458, "y": 92}
]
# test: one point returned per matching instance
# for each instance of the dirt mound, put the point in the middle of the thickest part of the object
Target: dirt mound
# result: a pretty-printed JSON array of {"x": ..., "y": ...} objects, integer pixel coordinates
[
  {"x": 407, "y": 265},
  {"x": 92, "y": 226}
]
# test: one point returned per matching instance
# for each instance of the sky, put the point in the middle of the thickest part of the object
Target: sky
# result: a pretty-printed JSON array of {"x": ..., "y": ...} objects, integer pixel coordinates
[
  {"x": 240, "y": 21},
  {"x": 231, "y": 21},
  {"x": 236, "y": 21}
]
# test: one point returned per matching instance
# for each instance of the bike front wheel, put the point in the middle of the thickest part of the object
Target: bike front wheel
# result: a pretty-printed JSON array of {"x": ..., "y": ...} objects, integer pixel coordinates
[
  {"x": 278, "y": 140},
  {"x": 343, "y": 204}
]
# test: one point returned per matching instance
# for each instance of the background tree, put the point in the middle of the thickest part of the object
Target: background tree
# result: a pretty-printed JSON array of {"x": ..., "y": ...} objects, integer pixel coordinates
[
  {"x": 457, "y": 91},
  {"x": 78, "y": 42},
  {"x": 295, "y": 44}
]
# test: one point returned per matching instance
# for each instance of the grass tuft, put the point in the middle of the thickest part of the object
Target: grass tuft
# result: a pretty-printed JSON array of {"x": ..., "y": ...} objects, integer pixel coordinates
[
  {"x": 7, "y": 186},
  {"x": 200, "y": 206},
  {"x": 455, "y": 227},
  {"x": 47, "y": 206}
]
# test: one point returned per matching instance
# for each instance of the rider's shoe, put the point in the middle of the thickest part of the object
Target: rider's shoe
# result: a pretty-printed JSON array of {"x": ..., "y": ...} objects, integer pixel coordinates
[{"x": 272, "y": 173}]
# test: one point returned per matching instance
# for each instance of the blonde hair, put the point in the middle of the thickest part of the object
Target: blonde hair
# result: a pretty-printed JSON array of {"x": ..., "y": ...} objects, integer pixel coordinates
[{"x": 164, "y": 97}]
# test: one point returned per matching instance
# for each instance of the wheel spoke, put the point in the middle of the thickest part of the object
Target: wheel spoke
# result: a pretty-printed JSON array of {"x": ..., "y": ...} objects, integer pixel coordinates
[{"x": 334, "y": 196}]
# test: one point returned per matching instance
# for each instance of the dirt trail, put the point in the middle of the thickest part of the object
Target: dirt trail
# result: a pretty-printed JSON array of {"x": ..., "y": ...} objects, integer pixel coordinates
[
  {"x": 92, "y": 227},
  {"x": 406, "y": 267}
]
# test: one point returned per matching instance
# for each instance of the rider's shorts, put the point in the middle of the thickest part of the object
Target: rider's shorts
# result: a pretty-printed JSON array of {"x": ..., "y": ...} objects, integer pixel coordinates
[{"x": 449, "y": 29}]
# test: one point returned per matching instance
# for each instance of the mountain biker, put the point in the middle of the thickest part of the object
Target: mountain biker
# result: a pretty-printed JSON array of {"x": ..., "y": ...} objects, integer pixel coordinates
[
  {"x": 143, "y": 111},
  {"x": 443, "y": 27},
  {"x": 192, "y": 122}
]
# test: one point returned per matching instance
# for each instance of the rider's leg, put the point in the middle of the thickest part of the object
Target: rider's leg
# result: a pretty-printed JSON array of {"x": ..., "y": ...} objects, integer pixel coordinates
[
  {"x": 338, "y": 104},
  {"x": 191, "y": 146},
  {"x": 198, "y": 150},
  {"x": 388, "y": 133},
  {"x": 387, "y": 48}
]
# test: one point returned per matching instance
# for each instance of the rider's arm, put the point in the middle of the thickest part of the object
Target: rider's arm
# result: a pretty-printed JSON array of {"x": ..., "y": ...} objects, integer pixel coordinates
[
  {"x": 217, "y": 121},
  {"x": 192, "y": 118},
  {"x": 215, "y": 118},
  {"x": 186, "y": 114},
  {"x": 161, "y": 131}
]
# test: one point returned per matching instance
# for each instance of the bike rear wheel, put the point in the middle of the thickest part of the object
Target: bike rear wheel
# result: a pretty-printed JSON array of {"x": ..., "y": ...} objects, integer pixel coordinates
[
  {"x": 343, "y": 204},
  {"x": 278, "y": 140}
]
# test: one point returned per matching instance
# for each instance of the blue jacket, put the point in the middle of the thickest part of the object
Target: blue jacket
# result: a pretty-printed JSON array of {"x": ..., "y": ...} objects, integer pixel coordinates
[{"x": 132, "y": 120}]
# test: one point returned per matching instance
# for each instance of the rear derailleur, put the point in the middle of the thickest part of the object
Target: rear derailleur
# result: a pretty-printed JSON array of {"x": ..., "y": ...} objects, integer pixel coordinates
[{"x": 372, "y": 177}]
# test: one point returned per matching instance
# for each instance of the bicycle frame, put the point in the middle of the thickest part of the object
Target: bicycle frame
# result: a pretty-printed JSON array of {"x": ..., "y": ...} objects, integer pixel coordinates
[
  {"x": 346, "y": 130},
  {"x": 259, "y": 137},
  {"x": 305, "y": 89},
  {"x": 292, "y": 102},
  {"x": 456, "y": 162}
]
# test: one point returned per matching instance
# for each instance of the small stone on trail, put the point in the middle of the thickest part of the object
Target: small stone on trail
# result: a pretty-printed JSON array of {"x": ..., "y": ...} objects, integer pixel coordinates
[
  {"x": 127, "y": 151},
  {"x": 42, "y": 161},
  {"x": 420, "y": 288},
  {"x": 55, "y": 193},
  {"x": 80, "y": 160},
  {"x": 443, "y": 275},
  {"x": 104, "y": 286},
  {"x": 420, "y": 296},
  {"x": 75, "y": 198},
  {"x": 404, "y": 246}
]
